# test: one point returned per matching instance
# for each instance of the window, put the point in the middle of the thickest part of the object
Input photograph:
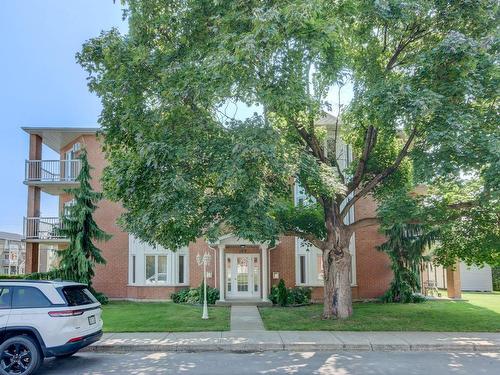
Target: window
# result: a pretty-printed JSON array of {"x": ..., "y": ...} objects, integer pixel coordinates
[
  {"x": 67, "y": 207},
  {"x": 5, "y": 296},
  {"x": 302, "y": 269},
  {"x": 78, "y": 295},
  {"x": 162, "y": 268},
  {"x": 181, "y": 269},
  {"x": 29, "y": 297},
  {"x": 156, "y": 269}
]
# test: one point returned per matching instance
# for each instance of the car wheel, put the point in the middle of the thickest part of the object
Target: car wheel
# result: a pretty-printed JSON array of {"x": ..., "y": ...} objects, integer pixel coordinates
[
  {"x": 19, "y": 355},
  {"x": 66, "y": 355}
]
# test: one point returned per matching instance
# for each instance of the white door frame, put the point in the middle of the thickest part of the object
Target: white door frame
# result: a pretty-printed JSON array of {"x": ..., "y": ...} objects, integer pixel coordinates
[{"x": 251, "y": 293}]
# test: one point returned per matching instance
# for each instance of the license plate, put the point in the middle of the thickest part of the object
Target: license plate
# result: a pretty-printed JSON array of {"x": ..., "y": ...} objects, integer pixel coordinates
[{"x": 92, "y": 319}]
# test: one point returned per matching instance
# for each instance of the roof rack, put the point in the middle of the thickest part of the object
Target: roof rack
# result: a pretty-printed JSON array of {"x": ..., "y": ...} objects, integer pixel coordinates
[{"x": 26, "y": 281}]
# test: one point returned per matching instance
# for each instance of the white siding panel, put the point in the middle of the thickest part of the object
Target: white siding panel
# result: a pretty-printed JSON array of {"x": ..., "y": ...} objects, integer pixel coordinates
[{"x": 475, "y": 278}]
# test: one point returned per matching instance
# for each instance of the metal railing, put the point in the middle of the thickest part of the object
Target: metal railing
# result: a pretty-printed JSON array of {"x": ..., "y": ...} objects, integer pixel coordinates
[
  {"x": 42, "y": 228},
  {"x": 52, "y": 170}
]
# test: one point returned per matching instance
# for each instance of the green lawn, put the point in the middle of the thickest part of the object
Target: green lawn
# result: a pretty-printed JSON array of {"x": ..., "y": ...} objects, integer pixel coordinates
[
  {"x": 481, "y": 312},
  {"x": 162, "y": 317}
]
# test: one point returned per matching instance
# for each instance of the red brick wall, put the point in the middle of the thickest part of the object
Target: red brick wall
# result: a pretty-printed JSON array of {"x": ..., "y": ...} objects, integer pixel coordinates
[
  {"x": 196, "y": 271},
  {"x": 111, "y": 278},
  {"x": 372, "y": 267},
  {"x": 282, "y": 260},
  {"x": 152, "y": 292},
  {"x": 373, "y": 272}
]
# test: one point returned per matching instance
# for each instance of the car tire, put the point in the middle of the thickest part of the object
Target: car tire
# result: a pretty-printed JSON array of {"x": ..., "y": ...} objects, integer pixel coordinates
[
  {"x": 19, "y": 355},
  {"x": 60, "y": 356}
]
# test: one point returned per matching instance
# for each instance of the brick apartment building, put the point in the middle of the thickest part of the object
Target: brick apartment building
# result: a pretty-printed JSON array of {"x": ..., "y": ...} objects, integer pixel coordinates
[{"x": 134, "y": 270}]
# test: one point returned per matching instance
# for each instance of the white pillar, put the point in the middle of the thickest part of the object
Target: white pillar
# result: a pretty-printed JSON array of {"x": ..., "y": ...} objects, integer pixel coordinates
[
  {"x": 222, "y": 286},
  {"x": 265, "y": 274}
]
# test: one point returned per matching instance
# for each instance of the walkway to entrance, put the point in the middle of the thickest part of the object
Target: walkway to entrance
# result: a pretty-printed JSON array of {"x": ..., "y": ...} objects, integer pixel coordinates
[{"x": 246, "y": 318}]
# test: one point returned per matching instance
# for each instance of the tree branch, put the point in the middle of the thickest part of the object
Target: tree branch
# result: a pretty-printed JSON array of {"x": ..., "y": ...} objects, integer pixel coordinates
[
  {"x": 311, "y": 141},
  {"x": 362, "y": 223},
  {"x": 370, "y": 140},
  {"x": 381, "y": 176},
  {"x": 308, "y": 237},
  {"x": 416, "y": 33}
]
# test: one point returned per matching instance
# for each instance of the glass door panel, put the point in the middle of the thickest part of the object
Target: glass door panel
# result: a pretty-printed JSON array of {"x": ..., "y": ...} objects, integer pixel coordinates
[{"x": 242, "y": 267}]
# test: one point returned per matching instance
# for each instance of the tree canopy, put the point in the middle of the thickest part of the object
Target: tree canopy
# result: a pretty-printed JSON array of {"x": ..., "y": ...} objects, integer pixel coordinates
[{"x": 424, "y": 111}]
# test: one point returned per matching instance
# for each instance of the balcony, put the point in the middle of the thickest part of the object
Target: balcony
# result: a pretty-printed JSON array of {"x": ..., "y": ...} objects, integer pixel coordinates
[
  {"x": 52, "y": 176},
  {"x": 43, "y": 229}
]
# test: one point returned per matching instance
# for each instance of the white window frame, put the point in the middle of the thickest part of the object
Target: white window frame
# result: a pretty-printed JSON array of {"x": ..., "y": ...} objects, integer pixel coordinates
[
  {"x": 156, "y": 273},
  {"x": 140, "y": 250}
]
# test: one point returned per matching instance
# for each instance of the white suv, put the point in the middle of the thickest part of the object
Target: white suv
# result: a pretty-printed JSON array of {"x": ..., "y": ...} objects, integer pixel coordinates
[{"x": 44, "y": 319}]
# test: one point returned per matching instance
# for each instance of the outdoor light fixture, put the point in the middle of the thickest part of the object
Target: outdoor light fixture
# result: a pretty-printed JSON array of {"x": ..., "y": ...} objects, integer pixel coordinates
[{"x": 204, "y": 260}]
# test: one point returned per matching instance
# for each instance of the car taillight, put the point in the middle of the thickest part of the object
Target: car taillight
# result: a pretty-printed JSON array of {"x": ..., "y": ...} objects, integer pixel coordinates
[
  {"x": 63, "y": 313},
  {"x": 75, "y": 339}
]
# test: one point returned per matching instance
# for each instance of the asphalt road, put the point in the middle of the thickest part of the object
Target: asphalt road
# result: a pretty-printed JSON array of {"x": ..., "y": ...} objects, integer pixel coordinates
[{"x": 361, "y": 363}]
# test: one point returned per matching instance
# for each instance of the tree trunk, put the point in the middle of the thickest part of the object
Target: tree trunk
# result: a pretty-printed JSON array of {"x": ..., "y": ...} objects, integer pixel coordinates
[
  {"x": 342, "y": 297},
  {"x": 337, "y": 298}
]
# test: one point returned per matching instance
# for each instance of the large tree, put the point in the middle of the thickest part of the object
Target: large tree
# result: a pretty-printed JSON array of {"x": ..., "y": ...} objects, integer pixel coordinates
[{"x": 185, "y": 165}]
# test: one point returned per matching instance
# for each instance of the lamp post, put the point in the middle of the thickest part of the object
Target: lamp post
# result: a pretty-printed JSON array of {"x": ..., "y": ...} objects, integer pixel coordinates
[{"x": 204, "y": 260}]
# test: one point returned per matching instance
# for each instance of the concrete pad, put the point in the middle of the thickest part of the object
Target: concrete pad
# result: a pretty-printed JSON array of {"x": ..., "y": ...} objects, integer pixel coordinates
[
  {"x": 305, "y": 341},
  {"x": 246, "y": 318},
  {"x": 196, "y": 341},
  {"x": 250, "y": 341}
]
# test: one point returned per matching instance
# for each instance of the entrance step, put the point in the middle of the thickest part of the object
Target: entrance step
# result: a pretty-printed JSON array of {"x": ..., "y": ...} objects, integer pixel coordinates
[{"x": 244, "y": 302}]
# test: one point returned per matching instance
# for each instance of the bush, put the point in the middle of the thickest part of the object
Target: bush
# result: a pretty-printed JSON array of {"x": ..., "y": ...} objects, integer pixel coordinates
[
  {"x": 273, "y": 295},
  {"x": 282, "y": 293},
  {"x": 195, "y": 295},
  {"x": 8, "y": 277},
  {"x": 300, "y": 295},
  {"x": 294, "y": 296}
]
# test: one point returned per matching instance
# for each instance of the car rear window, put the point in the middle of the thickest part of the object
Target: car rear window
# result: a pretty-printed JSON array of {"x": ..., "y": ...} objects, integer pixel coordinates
[{"x": 78, "y": 295}]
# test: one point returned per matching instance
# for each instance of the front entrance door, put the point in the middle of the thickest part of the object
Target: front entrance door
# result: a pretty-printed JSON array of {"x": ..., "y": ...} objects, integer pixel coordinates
[{"x": 242, "y": 275}]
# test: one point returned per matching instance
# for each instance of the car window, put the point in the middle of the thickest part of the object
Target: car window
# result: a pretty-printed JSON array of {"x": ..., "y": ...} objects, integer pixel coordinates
[
  {"x": 78, "y": 295},
  {"x": 5, "y": 295},
  {"x": 25, "y": 296}
]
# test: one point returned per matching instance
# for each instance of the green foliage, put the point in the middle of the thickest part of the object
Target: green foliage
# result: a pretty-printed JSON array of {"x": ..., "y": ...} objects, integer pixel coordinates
[
  {"x": 195, "y": 295},
  {"x": 495, "y": 271},
  {"x": 299, "y": 295},
  {"x": 78, "y": 260},
  {"x": 282, "y": 293},
  {"x": 185, "y": 165},
  {"x": 405, "y": 247},
  {"x": 7, "y": 277},
  {"x": 295, "y": 296}
]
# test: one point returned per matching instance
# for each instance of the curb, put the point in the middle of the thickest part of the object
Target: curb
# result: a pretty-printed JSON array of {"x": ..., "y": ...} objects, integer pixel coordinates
[
  {"x": 253, "y": 348},
  {"x": 260, "y": 341}
]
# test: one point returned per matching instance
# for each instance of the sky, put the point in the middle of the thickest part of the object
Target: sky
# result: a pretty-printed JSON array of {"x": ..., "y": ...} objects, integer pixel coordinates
[{"x": 41, "y": 84}]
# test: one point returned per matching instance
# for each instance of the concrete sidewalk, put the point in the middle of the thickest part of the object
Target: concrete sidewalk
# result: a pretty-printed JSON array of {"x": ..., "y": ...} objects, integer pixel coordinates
[{"x": 254, "y": 341}]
